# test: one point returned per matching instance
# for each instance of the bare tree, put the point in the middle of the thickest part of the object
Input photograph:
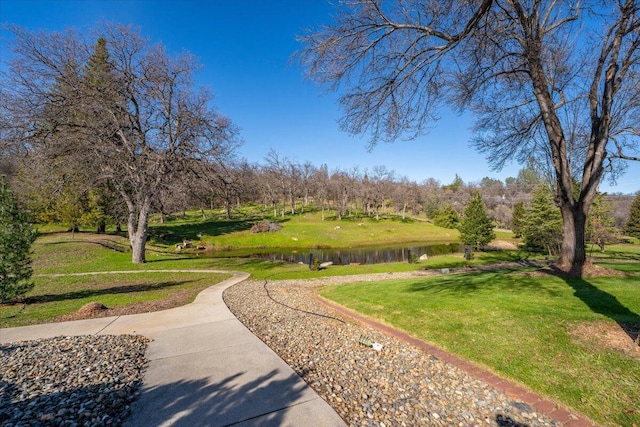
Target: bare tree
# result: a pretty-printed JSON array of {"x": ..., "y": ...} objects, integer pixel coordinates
[
  {"x": 278, "y": 178},
  {"x": 223, "y": 182},
  {"x": 322, "y": 188},
  {"x": 294, "y": 184},
  {"x": 120, "y": 107},
  {"x": 381, "y": 179},
  {"x": 551, "y": 78},
  {"x": 406, "y": 195},
  {"x": 341, "y": 191},
  {"x": 307, "y": 171}
]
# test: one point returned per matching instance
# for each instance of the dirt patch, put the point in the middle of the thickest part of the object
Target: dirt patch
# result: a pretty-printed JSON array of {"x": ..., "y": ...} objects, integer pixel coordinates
[
  {"x": 618, "y": 337},
  {"x": 502, "y": 245},
  {"x": 93, "y": 310},
  {"x": 588, "y": 271}
]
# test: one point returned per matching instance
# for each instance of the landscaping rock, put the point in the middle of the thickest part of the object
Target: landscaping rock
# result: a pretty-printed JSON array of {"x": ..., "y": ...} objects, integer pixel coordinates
[
  {"x": 80, "y": 380},
  {"x": 399, "y": 385}
]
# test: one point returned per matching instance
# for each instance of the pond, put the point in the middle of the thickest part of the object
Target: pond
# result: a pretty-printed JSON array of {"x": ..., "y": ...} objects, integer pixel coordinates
[{"x": 369, "y": 255}]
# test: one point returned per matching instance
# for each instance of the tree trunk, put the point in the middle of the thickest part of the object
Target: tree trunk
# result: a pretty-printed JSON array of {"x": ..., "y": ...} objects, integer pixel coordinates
[
  {"x": 138, "y": 242},
  {"x": 573, "y": 253},
  {"x": 138, "y": 222}
]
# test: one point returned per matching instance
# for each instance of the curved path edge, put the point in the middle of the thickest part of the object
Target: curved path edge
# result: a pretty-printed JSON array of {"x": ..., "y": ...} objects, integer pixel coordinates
[{"x": 205, "y": 367}]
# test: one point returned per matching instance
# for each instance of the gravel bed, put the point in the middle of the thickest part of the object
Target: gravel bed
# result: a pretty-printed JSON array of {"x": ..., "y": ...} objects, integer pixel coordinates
[
  {"x": 397, "y": 386},
  {"x": 70, "y": 381}
]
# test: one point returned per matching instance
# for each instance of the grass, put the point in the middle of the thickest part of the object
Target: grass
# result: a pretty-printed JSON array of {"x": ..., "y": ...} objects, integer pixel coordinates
[
  {"x": 520, "y": 326},
  {"x": 84, "y": 252},
  {"x": 619, "y": 252},
  {"x": 305, "y": 230},
  {"x": 64, "y": 253},
  {"x": 59, "y": 296}
]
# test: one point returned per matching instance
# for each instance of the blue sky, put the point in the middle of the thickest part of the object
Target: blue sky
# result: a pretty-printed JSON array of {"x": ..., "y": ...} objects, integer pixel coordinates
[{"x": 245, "y": 48}]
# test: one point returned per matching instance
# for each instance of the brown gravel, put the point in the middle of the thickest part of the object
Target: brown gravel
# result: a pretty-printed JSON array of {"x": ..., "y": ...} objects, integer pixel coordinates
[{"x": 397, "y": 386}]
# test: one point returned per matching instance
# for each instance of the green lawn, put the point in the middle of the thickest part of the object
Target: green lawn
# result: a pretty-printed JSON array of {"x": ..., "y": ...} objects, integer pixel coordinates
[
  {"x": 519, "y": 324},
  {"x": 58, "y": 296},
  {"x": 305, "y": 230},
  {"x": 64, "y": 253}
]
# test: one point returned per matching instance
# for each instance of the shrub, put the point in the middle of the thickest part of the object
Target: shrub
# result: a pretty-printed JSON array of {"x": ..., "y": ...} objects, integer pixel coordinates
[
  {"x": 476, "y": 228},
  {"x": 16, "y": 237},
  {"x": 542, "y": 225},
  {"x": 265, "y": 227},
  {"x": 447, "y": 217}
]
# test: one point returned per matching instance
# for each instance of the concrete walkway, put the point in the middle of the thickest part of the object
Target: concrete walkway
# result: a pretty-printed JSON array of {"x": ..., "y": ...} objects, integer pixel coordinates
[{"x": 206, "y": 368}]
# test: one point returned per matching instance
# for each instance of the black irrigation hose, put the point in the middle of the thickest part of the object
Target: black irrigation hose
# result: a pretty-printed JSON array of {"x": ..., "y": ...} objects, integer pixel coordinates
[{"x": 299, "y": 309}]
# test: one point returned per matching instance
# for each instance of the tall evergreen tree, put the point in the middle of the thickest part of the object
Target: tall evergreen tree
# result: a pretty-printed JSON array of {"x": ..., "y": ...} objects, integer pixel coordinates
[
  {"x": 517, "y": 218},
  {"x": 16, "y": 237},
  {"x": 476, "y": 228},
  {"x": 633, "y": 224},
  {"x": 542, "y": 227}
]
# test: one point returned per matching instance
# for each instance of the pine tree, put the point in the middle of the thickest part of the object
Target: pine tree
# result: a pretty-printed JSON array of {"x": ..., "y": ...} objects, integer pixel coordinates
[
  {"x": 542, "y": 226},
  {"x": 99, "y": 69},
  {"x": 517, "y": 218},
  {"x": 476, "y": 228},
  {"x": 16, "y": 237},
  {"x": 633, "y": 224},
  {"x": 456, "y": 185},
  {"x": 447, "y": 217}
]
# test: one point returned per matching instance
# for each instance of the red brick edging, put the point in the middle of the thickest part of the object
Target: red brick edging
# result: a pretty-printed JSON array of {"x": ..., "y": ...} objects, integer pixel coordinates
[{"x": 513, "y": 390}]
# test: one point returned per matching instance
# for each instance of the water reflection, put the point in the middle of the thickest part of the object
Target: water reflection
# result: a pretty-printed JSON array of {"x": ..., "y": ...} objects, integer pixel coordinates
[{"x": 360, "y": 255}]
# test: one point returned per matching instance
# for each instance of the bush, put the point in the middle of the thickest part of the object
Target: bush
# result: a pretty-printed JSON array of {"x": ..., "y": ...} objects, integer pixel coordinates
[
  {"x": 265, "y": 227},
  {"x": 447, "y": 217},
  {"x": 16, "y": 237},
  {"x": 542, "y": 225},
  {"x": 476, "y": 228}
]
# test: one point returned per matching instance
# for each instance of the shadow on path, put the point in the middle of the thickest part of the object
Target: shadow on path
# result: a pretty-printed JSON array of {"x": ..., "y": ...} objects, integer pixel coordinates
[{"x": 262, "y": 401}]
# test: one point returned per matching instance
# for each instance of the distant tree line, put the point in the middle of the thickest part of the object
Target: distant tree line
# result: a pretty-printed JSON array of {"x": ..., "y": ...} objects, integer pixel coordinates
[{"x": 283, "y": 187}]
